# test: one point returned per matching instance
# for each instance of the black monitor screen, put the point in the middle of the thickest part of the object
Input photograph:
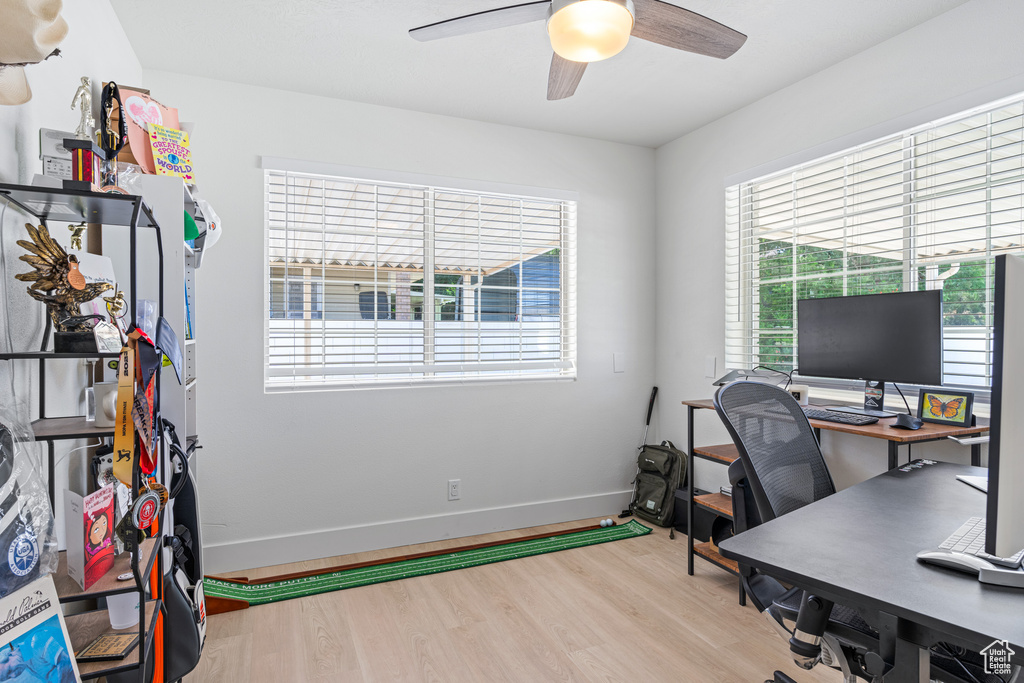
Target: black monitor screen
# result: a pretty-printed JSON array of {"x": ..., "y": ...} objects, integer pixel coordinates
[{"x": 887, "y": 337}]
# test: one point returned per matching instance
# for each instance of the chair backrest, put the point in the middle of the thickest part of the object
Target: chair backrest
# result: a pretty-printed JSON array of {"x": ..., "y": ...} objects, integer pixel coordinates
[{"x": 776, "y": 443}]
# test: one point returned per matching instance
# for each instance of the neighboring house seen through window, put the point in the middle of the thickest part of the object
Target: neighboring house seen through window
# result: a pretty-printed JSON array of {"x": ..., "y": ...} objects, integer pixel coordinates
[{"x": 348, "y": 303}]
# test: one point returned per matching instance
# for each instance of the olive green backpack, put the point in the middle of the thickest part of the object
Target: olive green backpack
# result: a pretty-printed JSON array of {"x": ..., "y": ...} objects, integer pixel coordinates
[{"x": 660, "y": 471}]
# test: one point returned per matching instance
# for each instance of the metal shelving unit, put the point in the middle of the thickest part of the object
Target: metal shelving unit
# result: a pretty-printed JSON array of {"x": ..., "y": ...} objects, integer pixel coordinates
[
  {"x": 132, "y": 212},
  {"x": 716, "y": 503}
]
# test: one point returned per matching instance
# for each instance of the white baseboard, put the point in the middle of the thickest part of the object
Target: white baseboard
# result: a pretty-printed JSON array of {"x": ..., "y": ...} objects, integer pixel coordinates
[{"x": 265, "y": 552}]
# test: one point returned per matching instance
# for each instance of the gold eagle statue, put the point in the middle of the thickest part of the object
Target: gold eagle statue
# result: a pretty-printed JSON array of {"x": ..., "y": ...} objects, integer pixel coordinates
[{"x": 50, "y": 283}]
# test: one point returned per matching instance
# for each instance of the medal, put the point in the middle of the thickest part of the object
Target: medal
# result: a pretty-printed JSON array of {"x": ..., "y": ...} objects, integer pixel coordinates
[
  {"x": 130, "y": 536},
  {"x": 106, "y": 477},
  {"x": 160, "y": 490},
  {"x": 145, "y": 509}
]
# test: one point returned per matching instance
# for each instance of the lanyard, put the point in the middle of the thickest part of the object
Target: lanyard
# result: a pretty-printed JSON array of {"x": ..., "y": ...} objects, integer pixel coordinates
[{"x": 124, "y": 425}]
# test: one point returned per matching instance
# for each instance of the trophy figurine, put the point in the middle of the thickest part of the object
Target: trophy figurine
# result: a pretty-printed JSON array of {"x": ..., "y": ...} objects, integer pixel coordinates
[
  {"x": 76, "y": 235},
  {"x": 83, "y": 100}
]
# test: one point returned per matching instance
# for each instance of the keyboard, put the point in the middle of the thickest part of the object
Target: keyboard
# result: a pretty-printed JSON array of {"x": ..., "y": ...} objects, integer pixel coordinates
[
  {"x": 842, "y": 418},
  {"x": 969, "y": 539}
]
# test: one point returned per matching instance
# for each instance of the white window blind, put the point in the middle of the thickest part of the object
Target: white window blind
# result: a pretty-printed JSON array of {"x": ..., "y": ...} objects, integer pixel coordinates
[
  {"x": 348, "y": 303},
  {"x": 929, "y": 208}
]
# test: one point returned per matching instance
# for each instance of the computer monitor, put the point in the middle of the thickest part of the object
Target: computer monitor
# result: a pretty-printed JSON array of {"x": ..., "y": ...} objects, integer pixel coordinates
[
  {"x": 1004, "y": 525},
  {"x": 875, "y": 337}
]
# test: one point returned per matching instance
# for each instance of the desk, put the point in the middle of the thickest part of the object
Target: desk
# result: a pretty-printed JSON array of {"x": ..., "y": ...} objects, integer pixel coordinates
[
  {"x": 882, "y": 429},
  {"x": 858, "y": 546}
]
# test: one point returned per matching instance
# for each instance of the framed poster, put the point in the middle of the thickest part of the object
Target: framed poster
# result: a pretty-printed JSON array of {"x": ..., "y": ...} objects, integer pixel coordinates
[{"x": 946, "y": 406}]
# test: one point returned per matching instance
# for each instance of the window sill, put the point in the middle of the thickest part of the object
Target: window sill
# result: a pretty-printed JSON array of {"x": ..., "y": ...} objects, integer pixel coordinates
[{"x": 306, "y": 387}]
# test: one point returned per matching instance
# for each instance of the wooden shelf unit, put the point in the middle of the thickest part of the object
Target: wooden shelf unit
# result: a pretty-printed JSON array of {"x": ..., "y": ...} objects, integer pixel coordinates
[
  {"x": 49, "y": 355},
  {"x": 711, "y": 554},
  {"x": 725, "y": 454},
  {"x": 88, "y": 626},
  {"x": 717, "y": 503},
  {"x": 74, "y": 427},
  {"x": 69, "y": 591}
]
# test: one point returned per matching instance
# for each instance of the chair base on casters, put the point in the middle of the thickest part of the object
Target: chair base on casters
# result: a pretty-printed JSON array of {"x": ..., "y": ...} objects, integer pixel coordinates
[
  {"x": 781, "y": 678},
  {"x": 848, "y": 638}
]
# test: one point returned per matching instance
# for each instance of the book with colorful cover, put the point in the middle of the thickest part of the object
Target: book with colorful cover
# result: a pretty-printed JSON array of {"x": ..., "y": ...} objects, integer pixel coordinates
[
  {"x": 34, "y": 641},
  {"x": 171, "y": 153},
  {"x": 90, "y": 550}
]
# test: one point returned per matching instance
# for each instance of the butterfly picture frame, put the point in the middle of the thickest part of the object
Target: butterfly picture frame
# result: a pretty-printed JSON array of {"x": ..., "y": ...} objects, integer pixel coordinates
[{"x": 946, "y": 406}]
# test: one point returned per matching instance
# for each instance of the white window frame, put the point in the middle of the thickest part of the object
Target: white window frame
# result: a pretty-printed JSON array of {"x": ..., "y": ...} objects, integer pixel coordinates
[
  {"x": 742, "y": 281},
  {"x": 501, "y": 372}
]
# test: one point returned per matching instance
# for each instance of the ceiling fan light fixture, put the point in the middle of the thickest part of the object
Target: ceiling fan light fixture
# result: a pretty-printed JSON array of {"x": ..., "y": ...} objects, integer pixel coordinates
[{"x": 590, "y": 30}]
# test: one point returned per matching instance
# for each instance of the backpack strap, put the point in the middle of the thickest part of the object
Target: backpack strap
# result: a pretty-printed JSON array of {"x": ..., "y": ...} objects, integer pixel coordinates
[
  {"x": 182, "y": 455},
  {"x": 181, "y": 545}
]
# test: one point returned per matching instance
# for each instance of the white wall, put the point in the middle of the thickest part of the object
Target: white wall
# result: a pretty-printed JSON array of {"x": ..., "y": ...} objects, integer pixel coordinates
[
  {"x": 53, "y": 83},
  {"x": 964, "y": 58},
  {"x": 292, "y": 476}
]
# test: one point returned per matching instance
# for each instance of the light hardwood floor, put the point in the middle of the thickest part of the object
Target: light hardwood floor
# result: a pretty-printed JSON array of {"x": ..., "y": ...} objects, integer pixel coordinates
[{"x": 620, "y": 611}]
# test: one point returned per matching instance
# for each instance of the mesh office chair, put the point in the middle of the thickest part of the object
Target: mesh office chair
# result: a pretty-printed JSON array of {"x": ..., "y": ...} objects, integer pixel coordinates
[{"x": 780, "y": 470}]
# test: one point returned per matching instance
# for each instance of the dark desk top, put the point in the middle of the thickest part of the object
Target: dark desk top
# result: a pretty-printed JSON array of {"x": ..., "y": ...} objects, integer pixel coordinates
[
  {"x": 858, "y": 548},
  {"x": 882, "y": 429}
]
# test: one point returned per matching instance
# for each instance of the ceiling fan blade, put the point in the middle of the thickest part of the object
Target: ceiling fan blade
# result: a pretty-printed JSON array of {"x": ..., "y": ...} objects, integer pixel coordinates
[
  {"x": 484, "y": 21},
  {"x": 563, "y": 77},
  {"x": 665, "y": 24}
]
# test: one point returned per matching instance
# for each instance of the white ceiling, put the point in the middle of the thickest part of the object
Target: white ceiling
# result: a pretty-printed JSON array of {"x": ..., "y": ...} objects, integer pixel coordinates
[{"x": 647, "y": 95}]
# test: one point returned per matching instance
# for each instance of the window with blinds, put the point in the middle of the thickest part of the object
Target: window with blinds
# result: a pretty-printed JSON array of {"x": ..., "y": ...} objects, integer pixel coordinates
[
  {"x": 374, "y": 283},
  {"x": 929, "y": 208}
]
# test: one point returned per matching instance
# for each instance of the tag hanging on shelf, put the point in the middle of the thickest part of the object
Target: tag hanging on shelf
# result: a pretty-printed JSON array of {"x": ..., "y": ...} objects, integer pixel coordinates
[{"x": 75, "y": 277}]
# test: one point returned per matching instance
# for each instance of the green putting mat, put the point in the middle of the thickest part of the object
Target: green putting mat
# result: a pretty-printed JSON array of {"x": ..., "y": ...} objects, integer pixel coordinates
[{"x": 262, "y": 593}]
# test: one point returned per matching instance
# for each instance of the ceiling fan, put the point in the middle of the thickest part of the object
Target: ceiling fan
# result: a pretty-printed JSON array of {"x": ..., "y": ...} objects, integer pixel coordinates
[{"x": 584, "y": 31}]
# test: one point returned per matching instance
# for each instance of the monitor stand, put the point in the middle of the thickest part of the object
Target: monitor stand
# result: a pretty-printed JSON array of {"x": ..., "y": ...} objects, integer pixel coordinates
[{"x": 874, "y": 402}]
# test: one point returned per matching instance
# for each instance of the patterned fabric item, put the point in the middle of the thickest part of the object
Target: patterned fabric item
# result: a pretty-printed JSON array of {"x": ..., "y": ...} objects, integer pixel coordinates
[{"x": 20, "y": 545}]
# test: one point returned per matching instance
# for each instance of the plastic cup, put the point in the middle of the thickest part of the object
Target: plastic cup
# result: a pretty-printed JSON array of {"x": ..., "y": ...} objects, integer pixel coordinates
[
  {"x": 106, "y": 403},
  {"x": 123, "y": 610}
]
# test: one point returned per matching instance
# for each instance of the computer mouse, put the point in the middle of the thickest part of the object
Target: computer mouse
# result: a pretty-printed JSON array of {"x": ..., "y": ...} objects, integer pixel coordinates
[
  {"x": 958, "y": 561},
  {"x": 905, "y": 421}
]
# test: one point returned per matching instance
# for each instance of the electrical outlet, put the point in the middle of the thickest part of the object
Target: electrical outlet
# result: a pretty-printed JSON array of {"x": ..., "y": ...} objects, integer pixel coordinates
[{"x": 454, "y": 489}]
